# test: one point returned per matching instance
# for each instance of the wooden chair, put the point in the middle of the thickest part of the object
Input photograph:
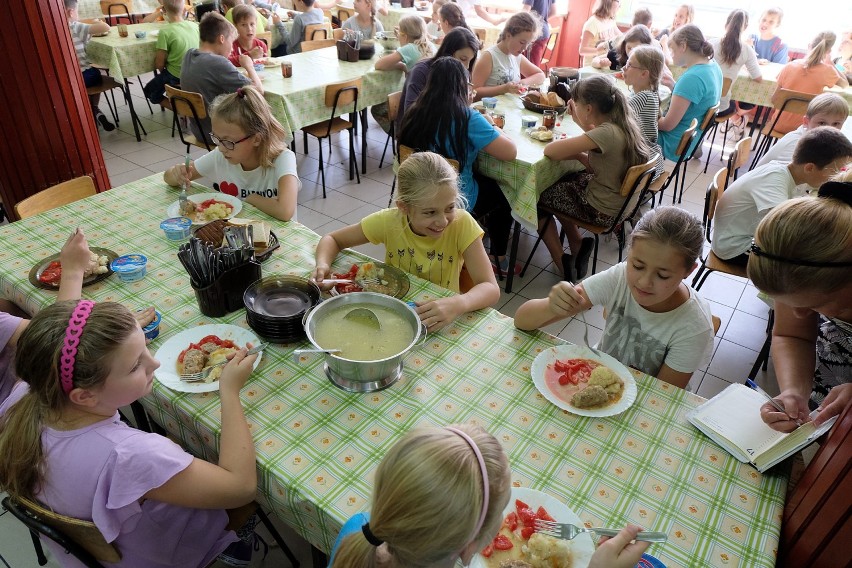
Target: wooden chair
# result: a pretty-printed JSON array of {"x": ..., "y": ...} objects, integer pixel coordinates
[
  {"x": 190, "y": 106},
  {"x": 635, "y": 184},
  {"x": 480, "y": 35},
  {"x": 116, "y": 10},
  {"x": 547, "y": 54},
  {"x": 712, "y": 263},
  {"x": 717, "y": 120},
  {"x": 337, "y": 96},
  {"x": 817, "y": 519},
  {"x": 265, "y": 37},
  {"x": 344, "y": 14},
  {"x": 312, "y": 31},
  {"x": 702, "y": 133},
  {"x": 318, "y": 44},
  {"x": 81, "y": 539},
  {"x": 738, "y": 158},
  {"x": 107, "y": 85},
  {"x": 393, "y": 114},
  {"x": 659, "y": 185},
  {"x": 55, "y": 196},
  {"x": 788, "y": 101}
]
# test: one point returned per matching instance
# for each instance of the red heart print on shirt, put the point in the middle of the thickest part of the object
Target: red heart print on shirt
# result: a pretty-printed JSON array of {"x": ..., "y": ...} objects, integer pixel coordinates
[{"x": 228, "y": 188}]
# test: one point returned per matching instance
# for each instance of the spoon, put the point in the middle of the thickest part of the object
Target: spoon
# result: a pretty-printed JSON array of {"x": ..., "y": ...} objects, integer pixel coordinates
[
  {"x": 297, "y": 352},
  {"x": 365, "y": 317}
]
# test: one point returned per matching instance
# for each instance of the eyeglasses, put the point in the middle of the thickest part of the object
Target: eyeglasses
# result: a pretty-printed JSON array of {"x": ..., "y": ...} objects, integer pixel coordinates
[
  {"x": 227, "y": 144},
  {"x": 629, "y": 66}
]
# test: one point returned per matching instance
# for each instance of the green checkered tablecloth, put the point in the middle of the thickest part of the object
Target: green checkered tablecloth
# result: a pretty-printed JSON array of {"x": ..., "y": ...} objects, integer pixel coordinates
[
  {"x": 300, "y": 100},
  {"x": 92, "y": 8},
  {"x": 318, "y": 447},
  {"x": 391, "y": 20},
  {"x": 125, "y": 57}
]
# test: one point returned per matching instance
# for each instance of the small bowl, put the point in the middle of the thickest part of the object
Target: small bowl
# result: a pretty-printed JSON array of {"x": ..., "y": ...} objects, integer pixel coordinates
[
  {"x": 490, "y": 103},
  {"x": 389, "y": 42},
  {"x": 177, "y": 229},
  {"x": 141, "y": 34},
  {"x": 259, "y": 67},
  {"x": 528, "y": 121},
  {"x": 130, "y": 267},
  {"x": 152, "y": 330}
]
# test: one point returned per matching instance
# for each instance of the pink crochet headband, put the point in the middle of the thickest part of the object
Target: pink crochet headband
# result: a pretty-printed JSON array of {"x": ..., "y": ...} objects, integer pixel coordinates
[
  {"x": 484, "y": 473},
  {"x": 72, "y": 339}
]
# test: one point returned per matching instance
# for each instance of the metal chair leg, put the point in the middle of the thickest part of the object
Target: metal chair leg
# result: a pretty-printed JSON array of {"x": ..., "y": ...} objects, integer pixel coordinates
[
  {"x": 40, "y": 557},
  {"x": 278, "y": 538},
  {"x": 318, "y": 557}
]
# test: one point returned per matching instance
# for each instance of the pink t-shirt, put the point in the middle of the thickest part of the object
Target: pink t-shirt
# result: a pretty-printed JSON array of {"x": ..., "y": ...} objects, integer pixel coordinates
[
  {"x": 101, "y": 473},
  {"x": 795, "y": 77}
]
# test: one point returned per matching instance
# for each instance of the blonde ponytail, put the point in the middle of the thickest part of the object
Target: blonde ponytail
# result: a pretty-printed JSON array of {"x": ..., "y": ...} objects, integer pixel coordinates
[{"x": 819, "y": 48}]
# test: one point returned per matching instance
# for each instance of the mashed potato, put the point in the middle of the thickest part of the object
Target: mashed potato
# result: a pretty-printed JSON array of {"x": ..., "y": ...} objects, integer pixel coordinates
[
  {"x": 543, "y": 551},
  {"x": 216, "y": 211}
]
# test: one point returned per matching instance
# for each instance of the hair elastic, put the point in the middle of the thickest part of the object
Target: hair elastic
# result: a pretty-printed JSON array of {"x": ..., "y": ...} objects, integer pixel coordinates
[
  {"x": 757, "y": 251},
  {"x": 241, "y": 94},
  {"x": 371, "y": 538},
  {"x": 484, "y": 472},
  {"x": 73, "y": 332},
  {"x": 841, "y": 190}
]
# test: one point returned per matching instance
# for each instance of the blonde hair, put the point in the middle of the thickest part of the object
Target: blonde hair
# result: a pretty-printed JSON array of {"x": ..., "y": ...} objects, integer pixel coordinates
[
  {"x": 774, "y": 11},
  {"x": 427, "y": 498},
  {"x": 813, "y": 229},
  {"x": 174, "y": 7},
  {"x": 819, "y": 48},
  {"x": 827, "y": 103},
  {"x": 249, "y": 110},
  {"x": 420, "y": 177},
  {"x": 37, "y": 362},
  {"x": 651, "y": 58},
  {"x": 690, "y": 12},
  {"x": 414, "y": 28},
  {"x": 674, "y": 227},
  {"x": 520, "y": 23}
]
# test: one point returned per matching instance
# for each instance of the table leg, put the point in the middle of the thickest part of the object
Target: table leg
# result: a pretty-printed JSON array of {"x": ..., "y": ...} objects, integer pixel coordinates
[
  {"x": 318, "y": 557},
  {"x": 133, "y": 116},
  {"x": 364, "y": 140},
  {"x": 513, "y": 255}
]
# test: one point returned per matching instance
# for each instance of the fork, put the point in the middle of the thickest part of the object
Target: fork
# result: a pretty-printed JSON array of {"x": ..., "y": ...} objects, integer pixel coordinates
[
  {"x": 586, "y": 334},
  {"x": 201, "y": 376},
  {"x": 567, "y": 531}
]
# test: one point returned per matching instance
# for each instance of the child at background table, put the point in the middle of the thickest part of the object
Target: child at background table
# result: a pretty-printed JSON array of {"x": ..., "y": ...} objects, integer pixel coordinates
[
  {"x": 156, "y": 15},
  {"x": 809, "y": 75},
  {"x": 611, "y": 144},
  {"x": 253, "y": 163},
  {"x": 433, "y": 28},
  {"x": 731, "y": 53},
  {"x": 767, "y": 45},
  {"x": 843, "y": 62},
  {"x": 599, "y": 31},
  {"x": 208, "y": 71},
  {"x": 247, "y": 42},
  {"x": 428, "y": 234},
  {"x": 81, "y": 34},
  {"x": 642, "y": 73},
  {"x": 174, "y": 40},
  {"x": 63, "y": 443},
  {"x": 827, "y": 109},
  {"x": 451, "y": 17},
  {"x": 414, "y": 45},
  {"x": 307, "y": 15},
  {"x": 656, "y": 323},
  {"x": 545, "y": 9},
  {"x": 458, "y": 479},
  {"x": 502, "y": 66},
  {"x": 228, "y": 7},
  {"x": 364, "y": 20}
]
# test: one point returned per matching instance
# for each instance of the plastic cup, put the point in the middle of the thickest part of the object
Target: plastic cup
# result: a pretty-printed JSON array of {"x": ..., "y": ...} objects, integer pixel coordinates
[
  {"x": 122, "y": 30},
  {"x": 549, "y": 119},
  {"x": 287, "y": 69}
]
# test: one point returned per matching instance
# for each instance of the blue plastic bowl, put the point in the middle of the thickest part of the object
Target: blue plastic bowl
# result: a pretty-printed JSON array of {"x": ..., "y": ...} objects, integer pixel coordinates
[
  {"x": 130, "y": 267},
  {"x": 152, "y": 330},
  {"x": 258, "y": 67},
  {"x": 648, "y": 561},
  {"x": 177, "y": 228},
  {"x": 489, "y": 103},
  {"x": 141, "y": 34}
]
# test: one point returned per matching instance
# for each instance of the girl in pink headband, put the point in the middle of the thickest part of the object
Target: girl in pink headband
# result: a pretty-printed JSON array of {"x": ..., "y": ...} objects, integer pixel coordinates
[{"x": 63, "y": 444}]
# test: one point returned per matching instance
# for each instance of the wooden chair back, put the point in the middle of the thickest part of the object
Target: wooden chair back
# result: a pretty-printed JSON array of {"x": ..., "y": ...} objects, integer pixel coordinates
[
  {"x": 787, "y": 100},
  {"x": 265, "y": 37},
  {"x": 635, "y": 174},
  {"x": 714, "y": 192},
  {"x": 738, "y": 158},
  {"x": 405, "y": 152},
  {"x": 686, "y": 138},
  {"x": 818, "y": 515},
  {"x": 117, "y": 9},
  {"x": 709, "y": 116},
  {"x": 314, "y": 32},
  {"x": 318, "y": 44},
  {"x": 726, "y": 87},
  {"x": 717, "y": 323},
  {"x": 82, "y": 533},
  {"x": 187, "y": 103},
  {"x": 344, "y": 14},
  {"x": 347, "y": 95},
  {"x": 56, "y": 196},
  {"x": 480, "y": 35},
  {"x": 393, "y": 105}
]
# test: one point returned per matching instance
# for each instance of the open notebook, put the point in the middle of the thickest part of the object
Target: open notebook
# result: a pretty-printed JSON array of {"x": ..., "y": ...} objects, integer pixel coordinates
[{"x": 732, "y": 420}]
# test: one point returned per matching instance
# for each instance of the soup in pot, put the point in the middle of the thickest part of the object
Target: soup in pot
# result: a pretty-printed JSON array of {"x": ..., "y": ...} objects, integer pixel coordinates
[{"x": 360, "y": 342}]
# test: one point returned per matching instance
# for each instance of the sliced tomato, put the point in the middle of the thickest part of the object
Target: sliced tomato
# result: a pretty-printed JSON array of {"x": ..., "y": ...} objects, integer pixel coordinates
[
  {"x": 502, "y": 542},
  {"x": 542, "y": 514},
  {"x": 511, "y": 521},
  {"x": 210, "y": 339},
  {"x": 526, "y": 516},
  {"x": 527, "y": 532},
  {"x": 487, "y": 551},
  {"x": 52, "y": 273},
  {"x": 205, "y": 204},
  {"x": 520, "y": 505}
]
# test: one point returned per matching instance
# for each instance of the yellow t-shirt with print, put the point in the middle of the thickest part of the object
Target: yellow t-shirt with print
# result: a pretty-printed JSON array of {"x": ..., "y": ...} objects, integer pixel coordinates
[{"x": 437, "y": 260}]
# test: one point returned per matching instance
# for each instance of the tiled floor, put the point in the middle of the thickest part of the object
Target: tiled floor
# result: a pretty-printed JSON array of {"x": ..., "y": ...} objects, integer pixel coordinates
[{"x": 743, "y": 315}]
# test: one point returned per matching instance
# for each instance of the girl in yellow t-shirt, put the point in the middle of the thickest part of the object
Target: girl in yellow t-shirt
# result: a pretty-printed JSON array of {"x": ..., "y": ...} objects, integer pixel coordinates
[{"x": 428, "y": 234}]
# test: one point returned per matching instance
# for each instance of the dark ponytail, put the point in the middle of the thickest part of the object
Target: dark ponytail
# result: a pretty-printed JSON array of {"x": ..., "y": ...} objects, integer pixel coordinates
[{"x": 731, "y": 46}]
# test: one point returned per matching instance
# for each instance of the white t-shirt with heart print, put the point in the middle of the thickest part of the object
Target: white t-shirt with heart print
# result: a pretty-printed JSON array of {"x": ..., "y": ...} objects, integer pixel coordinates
[{"x": 234, "y": 180}]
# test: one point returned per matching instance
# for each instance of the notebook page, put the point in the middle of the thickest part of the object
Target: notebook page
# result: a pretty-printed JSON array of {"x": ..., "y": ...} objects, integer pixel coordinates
[{"x": 735, "y": 414}]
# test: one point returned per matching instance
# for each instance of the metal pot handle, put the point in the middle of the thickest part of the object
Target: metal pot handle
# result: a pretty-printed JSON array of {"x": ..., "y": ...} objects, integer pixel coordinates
[{"x": 423, "y": 335}]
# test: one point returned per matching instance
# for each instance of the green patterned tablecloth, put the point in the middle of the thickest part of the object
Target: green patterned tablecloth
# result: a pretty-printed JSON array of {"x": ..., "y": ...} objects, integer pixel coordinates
[
  {"x": 318, "y": 447},
  {"x": 391, "y": 20},
  {"x": 92, "y": 8},
  {"x": 125, "y": 57}
]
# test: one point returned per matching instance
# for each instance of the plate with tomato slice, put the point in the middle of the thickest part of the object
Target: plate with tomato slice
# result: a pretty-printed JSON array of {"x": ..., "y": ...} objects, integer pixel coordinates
[
  {"x": 560, "y": 372},
  {"x": 47, "y": 273},
  {"x": 204, "y": 200},
  {"x": 524, "y": 507},
  {"x": 171, "y": 350}
]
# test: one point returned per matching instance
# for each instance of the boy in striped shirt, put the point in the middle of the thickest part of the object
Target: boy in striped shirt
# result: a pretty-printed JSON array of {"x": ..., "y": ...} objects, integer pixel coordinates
[{"x": 81, "y": 34}]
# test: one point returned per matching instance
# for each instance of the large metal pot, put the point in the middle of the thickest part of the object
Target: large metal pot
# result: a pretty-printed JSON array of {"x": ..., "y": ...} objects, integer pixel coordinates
[{"x": 364, "y": 376}]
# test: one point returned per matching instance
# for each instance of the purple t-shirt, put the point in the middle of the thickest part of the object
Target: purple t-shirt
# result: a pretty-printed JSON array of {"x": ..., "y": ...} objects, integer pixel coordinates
[
  {"x": 8, "y": 325},
  {"x": 101, "y": 473}
]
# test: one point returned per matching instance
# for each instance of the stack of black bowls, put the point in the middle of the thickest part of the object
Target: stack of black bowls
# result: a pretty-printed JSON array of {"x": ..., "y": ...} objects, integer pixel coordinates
[{"x": 275, "y": 306}]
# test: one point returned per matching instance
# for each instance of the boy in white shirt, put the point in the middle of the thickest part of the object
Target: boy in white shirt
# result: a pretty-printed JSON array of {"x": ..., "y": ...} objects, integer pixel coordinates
[
  {"x": 820, "y": 154},
  {"x": 827, "y": 109}
]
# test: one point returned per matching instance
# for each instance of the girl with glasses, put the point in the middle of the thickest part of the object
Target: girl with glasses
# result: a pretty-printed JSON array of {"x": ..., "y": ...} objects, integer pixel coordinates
[
  {"x": 253, "y": 162},
  {"x": 642, "y": 72}
]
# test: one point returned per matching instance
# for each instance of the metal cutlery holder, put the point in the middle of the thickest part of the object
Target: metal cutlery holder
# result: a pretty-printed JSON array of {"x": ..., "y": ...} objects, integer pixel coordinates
[{"x": 225, "y": 294}]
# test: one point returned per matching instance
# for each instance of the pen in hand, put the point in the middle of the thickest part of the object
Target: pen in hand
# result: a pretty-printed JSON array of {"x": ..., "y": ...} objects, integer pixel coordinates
[{"x": 753, "y": 385}]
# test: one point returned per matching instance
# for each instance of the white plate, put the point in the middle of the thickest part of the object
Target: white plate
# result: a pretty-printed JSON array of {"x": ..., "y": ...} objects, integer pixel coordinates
[
  {"x": 169, "y": 351},
  {"x": 553, "y": 354},
  {"x": 582, "y": 546},
  {"x": 174, "y": 209}
]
